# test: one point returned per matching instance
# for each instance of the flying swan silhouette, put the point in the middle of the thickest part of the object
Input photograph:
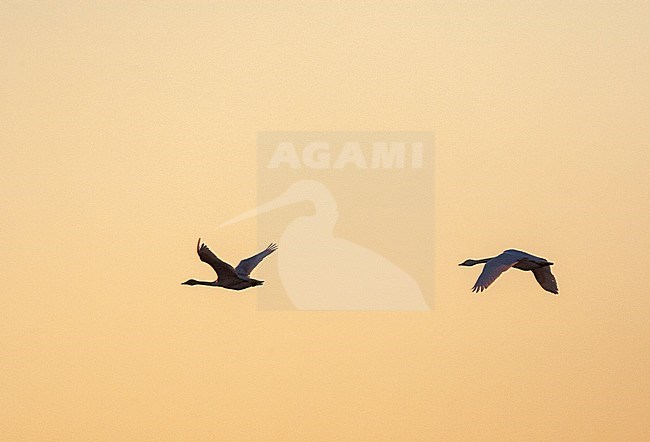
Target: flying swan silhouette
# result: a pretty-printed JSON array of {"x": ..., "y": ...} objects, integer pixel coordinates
[
  {"x": 237, "y": 278},
  {"x": 495, "y": 266}
]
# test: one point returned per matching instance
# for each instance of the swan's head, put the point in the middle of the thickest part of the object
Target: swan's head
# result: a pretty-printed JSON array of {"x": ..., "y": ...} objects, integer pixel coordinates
[
  {"x": 190, "y": 282},
  {"x": 468, "y": 263}
]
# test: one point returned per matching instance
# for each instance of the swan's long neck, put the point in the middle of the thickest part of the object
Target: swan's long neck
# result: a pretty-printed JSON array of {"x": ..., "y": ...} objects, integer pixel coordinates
[
  {"x": 482, "y": 261},
  {"x": 195, "y": 282}
]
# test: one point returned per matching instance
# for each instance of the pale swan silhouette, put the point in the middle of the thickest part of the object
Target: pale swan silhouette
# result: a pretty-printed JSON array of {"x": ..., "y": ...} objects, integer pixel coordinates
[
  {"x": 322, "y": 272},
  {"x": 494, "y": 267}
]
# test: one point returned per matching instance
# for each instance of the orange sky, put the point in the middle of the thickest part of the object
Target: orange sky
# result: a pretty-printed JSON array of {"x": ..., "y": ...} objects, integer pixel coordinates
[{"x": 129, "y": 130}]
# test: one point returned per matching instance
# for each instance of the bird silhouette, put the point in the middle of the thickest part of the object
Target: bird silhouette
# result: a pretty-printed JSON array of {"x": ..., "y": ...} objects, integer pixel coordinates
[
  {"x": 495, "y": 266},
  {"x": 320, "y": 271},
  {"x": 237, "y": 278}
]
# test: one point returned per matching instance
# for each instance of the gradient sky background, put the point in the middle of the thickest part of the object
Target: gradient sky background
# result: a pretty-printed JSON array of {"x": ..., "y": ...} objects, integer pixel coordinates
[{"x": 129, "y": 129}]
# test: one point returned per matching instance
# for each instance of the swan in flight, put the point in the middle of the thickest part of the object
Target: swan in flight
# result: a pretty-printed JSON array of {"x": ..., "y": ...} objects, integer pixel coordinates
[
  {"x": 237, "y": 278},
  {"x": 495, "y": 266}
]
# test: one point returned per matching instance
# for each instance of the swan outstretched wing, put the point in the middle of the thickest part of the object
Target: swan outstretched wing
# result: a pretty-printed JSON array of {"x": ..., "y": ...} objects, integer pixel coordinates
[
  {"x": 246, "y": 266},
  {"x": 493, "y": 268},
  {"x": 223, "y": 269},
  {"x": 546, "y": 279}
]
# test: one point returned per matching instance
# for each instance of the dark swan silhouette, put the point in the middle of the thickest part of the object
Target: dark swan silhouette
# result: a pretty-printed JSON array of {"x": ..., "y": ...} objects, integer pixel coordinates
[
  {"x": 237, "y": 278},
  {"x": 495, "y": 266}
]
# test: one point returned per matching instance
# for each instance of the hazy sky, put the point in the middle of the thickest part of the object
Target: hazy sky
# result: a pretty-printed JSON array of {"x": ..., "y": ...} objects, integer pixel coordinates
[{"x": 129, "y": 129}]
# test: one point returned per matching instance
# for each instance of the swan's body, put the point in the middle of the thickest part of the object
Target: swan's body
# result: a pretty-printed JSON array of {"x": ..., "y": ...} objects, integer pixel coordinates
[
  {"x": 540, "y": 267},
  {"x": 237, "y": 278}
]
